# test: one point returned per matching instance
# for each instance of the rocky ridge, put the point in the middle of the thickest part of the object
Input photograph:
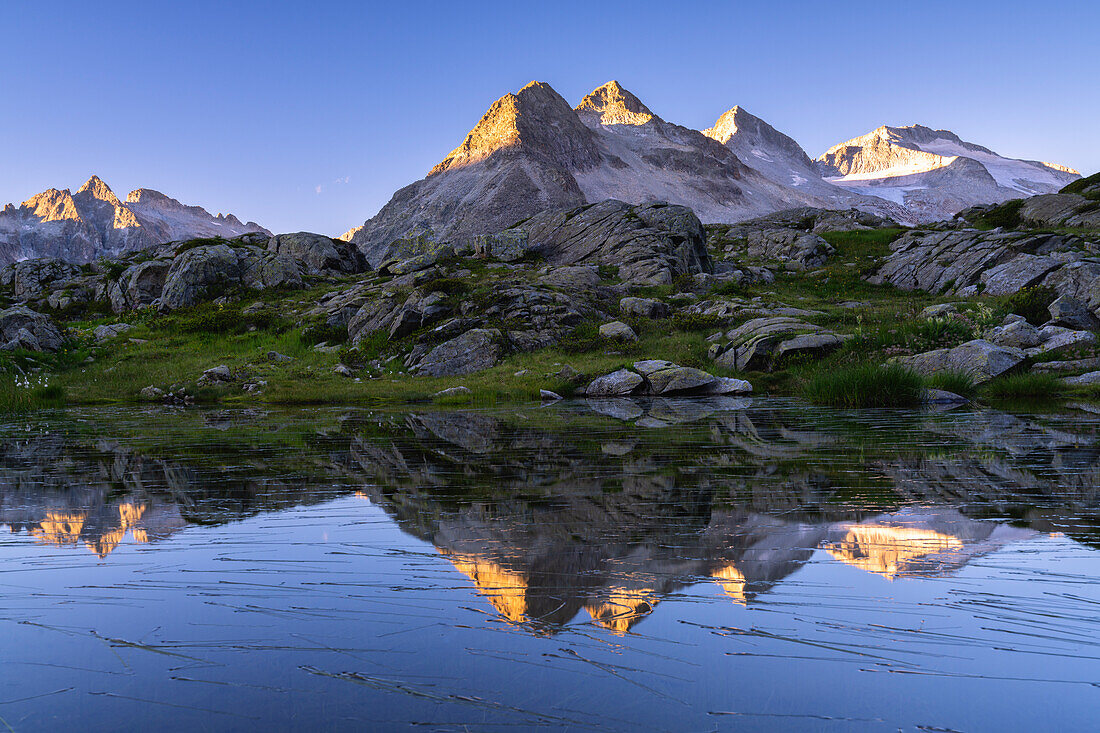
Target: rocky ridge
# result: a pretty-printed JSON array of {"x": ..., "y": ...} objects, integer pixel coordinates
[
  {"x": 94, "y": 222},
  {"x": 532, "y": 153}
]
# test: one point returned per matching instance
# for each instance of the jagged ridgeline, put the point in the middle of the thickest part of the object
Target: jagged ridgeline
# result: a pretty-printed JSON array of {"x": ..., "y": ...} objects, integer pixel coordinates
[
  {"x": 532, "y": 152},
  {"x": 94, "y": 222}
]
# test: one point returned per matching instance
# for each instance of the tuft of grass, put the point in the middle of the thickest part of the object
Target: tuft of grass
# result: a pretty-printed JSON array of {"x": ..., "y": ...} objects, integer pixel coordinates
[
  {"x": 447, "y": 286},
  {"x": 219, "y": 319},
  {"x": 584, "y": 338},
  {"x": 729, "y": 289},
  {"x": 315, "y": 333},
  {"x": 864, "y": 385},
  {"x": 912, "y": 336},
  {"x": 1027, "y": 387},
  {"x": 16, "y": 397},
  {"x": 960, "y": 383}
]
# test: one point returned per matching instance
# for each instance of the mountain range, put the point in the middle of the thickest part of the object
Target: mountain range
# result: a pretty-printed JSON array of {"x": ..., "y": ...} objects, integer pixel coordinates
[
  {"x": 94, "y": 222},
  {"x": 532, "y": 151}
]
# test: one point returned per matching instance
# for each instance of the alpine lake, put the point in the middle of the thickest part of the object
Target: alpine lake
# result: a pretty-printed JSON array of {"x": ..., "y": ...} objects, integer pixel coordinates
[{"x": 627, "y": 564}]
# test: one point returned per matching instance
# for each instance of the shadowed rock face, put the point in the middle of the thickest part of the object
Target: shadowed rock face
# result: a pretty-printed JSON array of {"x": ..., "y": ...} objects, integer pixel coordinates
[
  {"x": 177, "y": 275},
  {"x": 969, "y": 262},
  {"x": 582, "y": 516},
  {"x": 650, "y": 245}
]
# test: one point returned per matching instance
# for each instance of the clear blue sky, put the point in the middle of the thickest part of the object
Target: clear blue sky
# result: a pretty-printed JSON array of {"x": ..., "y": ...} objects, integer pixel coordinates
[{"x": 249, "y": 107}]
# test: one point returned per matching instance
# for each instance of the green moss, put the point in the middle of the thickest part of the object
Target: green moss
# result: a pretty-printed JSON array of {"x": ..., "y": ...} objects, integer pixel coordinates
[
  {"x": 1031, "y": 303},
  {"x": 697, "y": 322}
]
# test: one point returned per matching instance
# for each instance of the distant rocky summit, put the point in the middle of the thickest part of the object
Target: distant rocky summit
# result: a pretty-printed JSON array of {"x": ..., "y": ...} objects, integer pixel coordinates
[
  {"x": 935, "y": 173},
  {"x": 94, "y": 222},
  {"x": 531, "y": 153}
]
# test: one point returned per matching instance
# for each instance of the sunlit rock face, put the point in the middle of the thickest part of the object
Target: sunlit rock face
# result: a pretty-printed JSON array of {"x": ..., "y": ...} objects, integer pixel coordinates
[
  {"x": 101, "y": 531},
  {"x": 745, "y": 555},
  {"x": 935, "y": 173},
  {"x": 505, "y": 589},
  {"x": 94, "y": 222}
]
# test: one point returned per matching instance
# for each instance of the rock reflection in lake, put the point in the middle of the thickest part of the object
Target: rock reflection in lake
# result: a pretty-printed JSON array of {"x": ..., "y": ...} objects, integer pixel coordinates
[{"x": 597, "y": 514}]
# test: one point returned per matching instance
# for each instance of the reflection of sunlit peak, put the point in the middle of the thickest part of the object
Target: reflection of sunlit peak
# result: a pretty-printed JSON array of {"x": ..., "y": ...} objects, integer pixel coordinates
[
  {"x": 105, "y": 544},
  {"x": 733, "y": 583},
  {"x": 60, "y": 528},
  {"x": 890, "y": 550},
  {"x": 129, "y": 514},
  {"x": 623, "y": 608},
  {"x": 505, "y": 589},
  {"x": 363, "y": 495}
]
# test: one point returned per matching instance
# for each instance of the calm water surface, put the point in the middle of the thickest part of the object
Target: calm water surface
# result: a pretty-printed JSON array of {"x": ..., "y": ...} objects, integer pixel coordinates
[{"x": 616, "y": 565}]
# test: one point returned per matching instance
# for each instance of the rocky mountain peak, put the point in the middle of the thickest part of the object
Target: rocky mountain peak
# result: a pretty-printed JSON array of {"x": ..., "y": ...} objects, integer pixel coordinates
[
  {"x": 52, "y": 205},
  {"x": 536, "y": 119},
  {"x": 98, "y": 189},
  {"x": 756, "y": 142},
  {"x": 615, "y": 106},
  {"x": 731, "y": 122},
  {"x": 148, "y": 196},
  {"x": 97, "y": 200}
]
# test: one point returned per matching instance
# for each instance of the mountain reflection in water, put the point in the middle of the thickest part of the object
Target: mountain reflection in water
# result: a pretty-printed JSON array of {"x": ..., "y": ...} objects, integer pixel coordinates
[
  {"x": 551, "y": 513},
  {"x": 614, "y": 565}
]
